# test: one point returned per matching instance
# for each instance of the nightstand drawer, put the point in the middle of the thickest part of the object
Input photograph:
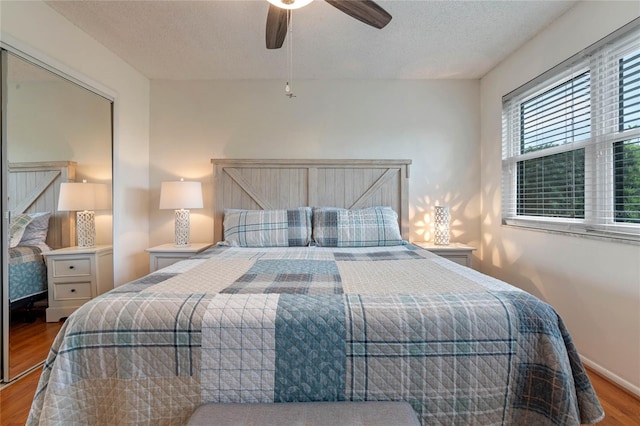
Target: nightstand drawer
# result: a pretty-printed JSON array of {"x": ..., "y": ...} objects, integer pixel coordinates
[
  {"x": 72, "y": 291},
  {"x": 71, "y": 267},
  {"x": 163, "y": 262},
  {"x": 167, "y": 254},
  {"x": 455, "y": 252},
  {"x": 460, "y": 259}
]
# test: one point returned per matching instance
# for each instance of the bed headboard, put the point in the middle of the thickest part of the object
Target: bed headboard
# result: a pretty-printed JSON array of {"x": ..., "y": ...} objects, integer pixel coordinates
[
  {"x": 35, "y": 187},
  {"x": 279, "y": 184}
]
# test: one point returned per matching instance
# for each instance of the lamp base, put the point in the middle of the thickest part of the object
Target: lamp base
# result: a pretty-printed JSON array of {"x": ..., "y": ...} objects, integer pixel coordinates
[
  {"x": 440, "y": 241},
  {"x": 182, "y": 228},
  {"x": 86, "y": 228},
  {"x": 441, "y": 222}
]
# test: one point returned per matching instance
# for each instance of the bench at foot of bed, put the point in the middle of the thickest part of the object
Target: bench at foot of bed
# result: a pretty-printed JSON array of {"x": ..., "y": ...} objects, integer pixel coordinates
[{"x": 306, "y": 413}]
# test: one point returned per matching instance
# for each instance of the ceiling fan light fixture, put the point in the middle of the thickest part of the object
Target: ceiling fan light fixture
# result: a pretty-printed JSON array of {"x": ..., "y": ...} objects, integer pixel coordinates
[{"x": 290, "y": 4}]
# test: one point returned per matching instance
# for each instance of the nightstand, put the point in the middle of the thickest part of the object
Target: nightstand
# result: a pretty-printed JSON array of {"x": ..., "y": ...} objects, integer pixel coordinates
[
  {"x": 76, "y": 275},
  {"x": 455, "y": 252},
  {"x": 167, "y": 254}
]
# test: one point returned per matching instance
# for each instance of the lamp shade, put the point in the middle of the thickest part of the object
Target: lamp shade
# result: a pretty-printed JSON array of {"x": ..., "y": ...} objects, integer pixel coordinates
[
  {"x": 181, "y": 195},
  {"x": 79, "y": 196},
  {"x": 290, "y": 4}
]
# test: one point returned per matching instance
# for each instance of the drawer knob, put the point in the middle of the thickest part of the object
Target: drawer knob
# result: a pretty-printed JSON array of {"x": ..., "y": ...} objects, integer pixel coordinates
[
  {"x": 71, "y": 267},
  {"x": 73, "y": 290}
]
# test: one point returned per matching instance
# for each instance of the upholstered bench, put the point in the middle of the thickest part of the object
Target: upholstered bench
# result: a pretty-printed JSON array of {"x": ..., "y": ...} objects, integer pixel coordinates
[{"x": 306, "y": 413}]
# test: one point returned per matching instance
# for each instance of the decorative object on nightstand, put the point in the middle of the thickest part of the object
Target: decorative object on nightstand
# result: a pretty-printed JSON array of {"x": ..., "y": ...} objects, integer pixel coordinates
[
  {"x": 84, "y": 198},
  {"x": 167, "y": 254},
  {"x": 75, "y": 276},
  {"x": 456, "y": 252},
  {"x": 181, "y": 196},
  {"x": 441, "y": 220}
]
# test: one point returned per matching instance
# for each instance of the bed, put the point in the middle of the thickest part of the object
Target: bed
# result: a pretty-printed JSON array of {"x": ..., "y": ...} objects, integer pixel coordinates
[
  {"x": 359, "y": 316},
  {"x": 36, "y": 226}
]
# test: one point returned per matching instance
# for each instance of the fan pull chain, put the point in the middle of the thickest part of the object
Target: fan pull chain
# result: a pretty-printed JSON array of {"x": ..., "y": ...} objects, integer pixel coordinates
[{"x": 287, "y": 87}]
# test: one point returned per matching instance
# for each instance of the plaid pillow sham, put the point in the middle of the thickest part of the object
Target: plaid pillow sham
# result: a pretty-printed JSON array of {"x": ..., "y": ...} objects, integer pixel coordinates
[
  {"x": 370, "y": 227},
  {"x": 268, "y": 228}
]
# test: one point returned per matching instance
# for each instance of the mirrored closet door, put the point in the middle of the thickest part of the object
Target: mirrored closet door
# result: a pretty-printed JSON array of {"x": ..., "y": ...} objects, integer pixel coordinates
[{"x": 54, "y": 130}]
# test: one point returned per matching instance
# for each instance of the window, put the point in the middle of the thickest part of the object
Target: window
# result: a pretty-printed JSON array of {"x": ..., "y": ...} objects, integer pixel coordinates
[
  {"x": 627, "y": 153},
  {"x": 627, "y": 184},
  {"x": 552, "y": 185},
  {"x": 571, "y": 143}
]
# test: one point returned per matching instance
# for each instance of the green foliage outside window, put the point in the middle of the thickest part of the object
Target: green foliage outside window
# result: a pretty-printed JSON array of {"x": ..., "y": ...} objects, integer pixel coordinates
[
  {"x": 552, "y": 186},
  {"x": 627, "y": 153},
  {"x": 627, "y": 181}
]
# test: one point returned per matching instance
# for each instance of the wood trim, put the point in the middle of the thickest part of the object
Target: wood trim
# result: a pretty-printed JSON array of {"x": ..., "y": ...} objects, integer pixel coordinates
[
  {"x": 319, "y": 163},
  {"x": 241, "y": 182}
]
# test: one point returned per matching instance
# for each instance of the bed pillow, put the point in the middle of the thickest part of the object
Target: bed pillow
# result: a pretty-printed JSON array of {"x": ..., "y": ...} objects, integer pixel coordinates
[
  {"x": 370, "y": 227},
  {"x": 36, "y": 232},
  {"x": 17, "y": 227},
  {"x": 268, "y": 228}
]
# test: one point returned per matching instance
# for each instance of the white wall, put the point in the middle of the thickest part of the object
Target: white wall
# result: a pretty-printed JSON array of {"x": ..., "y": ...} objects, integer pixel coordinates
[
  {"x": 433, "y": 123},
  {"x": 35, "y": 28},
  {"x": 593, "y": 284}
]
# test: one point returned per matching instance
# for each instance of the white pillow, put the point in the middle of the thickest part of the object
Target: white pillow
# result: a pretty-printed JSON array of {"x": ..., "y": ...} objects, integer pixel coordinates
[{"x": 36, "y": 231}]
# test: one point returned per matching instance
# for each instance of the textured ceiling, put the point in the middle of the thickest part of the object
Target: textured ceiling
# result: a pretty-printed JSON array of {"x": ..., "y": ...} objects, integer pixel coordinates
[{"x": 426, "y": 39}]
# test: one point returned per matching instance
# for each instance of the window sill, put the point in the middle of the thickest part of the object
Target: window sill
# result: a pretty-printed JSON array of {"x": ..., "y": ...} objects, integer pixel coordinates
[{"x": 573, "y": 230}]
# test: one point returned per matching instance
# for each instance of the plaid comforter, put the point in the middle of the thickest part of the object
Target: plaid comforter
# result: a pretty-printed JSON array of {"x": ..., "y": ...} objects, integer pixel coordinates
[{"x": 315, "y": 324}]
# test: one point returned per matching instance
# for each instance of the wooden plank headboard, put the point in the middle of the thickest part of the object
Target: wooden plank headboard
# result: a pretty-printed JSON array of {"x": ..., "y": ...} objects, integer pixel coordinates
[
  {"x": 279, "y": 184},
  {"x": 35, "y": 187}
]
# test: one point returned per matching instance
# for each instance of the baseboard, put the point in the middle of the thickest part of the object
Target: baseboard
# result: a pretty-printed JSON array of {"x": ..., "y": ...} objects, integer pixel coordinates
[{"x": 617, "y": 380}]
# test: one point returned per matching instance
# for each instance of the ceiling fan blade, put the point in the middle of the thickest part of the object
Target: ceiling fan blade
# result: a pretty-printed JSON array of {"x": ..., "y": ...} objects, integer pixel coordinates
[
  {"x": 276, "y": 27},
  {"x": 363, "y": 10}
]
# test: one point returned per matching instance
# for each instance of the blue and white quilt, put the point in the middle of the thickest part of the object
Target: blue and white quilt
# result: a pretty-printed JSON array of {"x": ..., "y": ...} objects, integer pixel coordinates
[
  {"x": 315, "y": 324},
  {"x": 27, "y": 273}
]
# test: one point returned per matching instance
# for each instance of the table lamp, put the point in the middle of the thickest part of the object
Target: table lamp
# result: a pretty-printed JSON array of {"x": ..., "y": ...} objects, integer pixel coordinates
[
  {"x": 181, "y": 196},
  {"x": 441, "y": 225},
  {"x": 84, "y": 198}
]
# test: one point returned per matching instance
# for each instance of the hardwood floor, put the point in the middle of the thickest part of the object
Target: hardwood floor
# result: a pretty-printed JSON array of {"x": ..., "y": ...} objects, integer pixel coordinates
[
  {"x": 29, "y": 341},
  {"x": 15, "y": 399},
  {"x": 621, "y": 408},
  {"x": 30, "y": 338}
]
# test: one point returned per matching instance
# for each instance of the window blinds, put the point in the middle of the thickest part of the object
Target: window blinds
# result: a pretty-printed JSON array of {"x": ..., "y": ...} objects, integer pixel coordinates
[
  {"x": 571, "y": 142},
  {"x": 559, "y": 116}
]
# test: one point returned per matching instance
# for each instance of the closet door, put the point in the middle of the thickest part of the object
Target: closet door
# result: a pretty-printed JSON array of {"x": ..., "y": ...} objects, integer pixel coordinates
[
  {"x": 55, "y": 129},
  {"x": 5, "y": 217}
]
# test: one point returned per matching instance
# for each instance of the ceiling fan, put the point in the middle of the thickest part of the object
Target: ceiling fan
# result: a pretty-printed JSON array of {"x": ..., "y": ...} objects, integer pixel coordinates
[{"x": 363, "y": 10}]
